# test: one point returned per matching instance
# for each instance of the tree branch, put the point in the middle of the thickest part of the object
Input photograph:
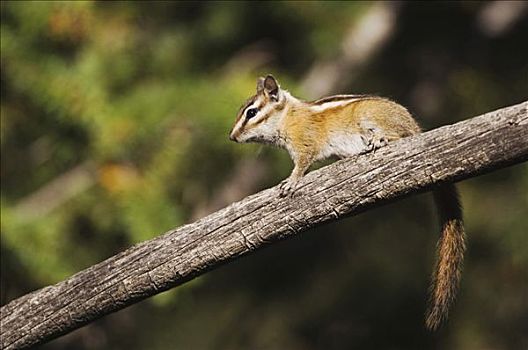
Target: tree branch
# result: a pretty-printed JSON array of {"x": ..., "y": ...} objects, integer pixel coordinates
[{"x": 450, "y": 153}]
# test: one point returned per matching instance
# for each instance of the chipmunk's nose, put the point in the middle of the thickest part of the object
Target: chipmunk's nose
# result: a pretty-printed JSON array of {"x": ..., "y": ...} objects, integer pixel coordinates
[{"x": 232, "y": 136}]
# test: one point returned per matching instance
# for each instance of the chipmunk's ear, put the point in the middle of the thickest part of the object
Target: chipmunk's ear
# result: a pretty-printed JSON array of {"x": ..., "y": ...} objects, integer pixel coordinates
[
  {"x": 271, "y": 87},
  {"x": 260, "y": 85}
]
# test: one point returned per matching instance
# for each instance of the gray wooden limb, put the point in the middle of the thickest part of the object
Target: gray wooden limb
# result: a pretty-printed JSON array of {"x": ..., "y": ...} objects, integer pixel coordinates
[{"x": 447, "y": 154}]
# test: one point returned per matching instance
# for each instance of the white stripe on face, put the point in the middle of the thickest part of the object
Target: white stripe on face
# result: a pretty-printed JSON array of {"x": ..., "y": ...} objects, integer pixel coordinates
[
  {"x": 243, "y": 121},
  {"x": 261, "y": 111}
]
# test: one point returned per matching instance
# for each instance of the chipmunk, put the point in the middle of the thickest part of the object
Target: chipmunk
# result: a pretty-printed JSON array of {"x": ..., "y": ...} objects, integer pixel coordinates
[{"x": 343, "y": 126}]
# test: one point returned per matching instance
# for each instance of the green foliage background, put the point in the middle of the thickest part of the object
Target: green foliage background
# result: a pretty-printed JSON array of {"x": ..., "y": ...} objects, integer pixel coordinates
[{"x": 138, "y": 98}]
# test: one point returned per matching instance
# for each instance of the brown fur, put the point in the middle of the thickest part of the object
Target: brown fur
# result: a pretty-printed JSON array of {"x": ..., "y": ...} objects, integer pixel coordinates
[
  {"x": 450, "y": 254},
  {"x": 308, "y": 129}
]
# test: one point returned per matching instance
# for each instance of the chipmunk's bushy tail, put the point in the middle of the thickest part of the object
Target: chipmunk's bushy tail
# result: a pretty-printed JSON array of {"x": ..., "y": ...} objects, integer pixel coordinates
[{"x": 450, "y": 254}]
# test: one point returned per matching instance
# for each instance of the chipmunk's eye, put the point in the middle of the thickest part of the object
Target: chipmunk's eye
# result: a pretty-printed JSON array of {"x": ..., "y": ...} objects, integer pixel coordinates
[{"x": 250, "y": 113}]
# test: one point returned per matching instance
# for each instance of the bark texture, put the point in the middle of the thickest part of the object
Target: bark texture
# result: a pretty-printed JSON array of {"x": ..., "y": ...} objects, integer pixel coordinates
[{"x": 447, "y": 154}]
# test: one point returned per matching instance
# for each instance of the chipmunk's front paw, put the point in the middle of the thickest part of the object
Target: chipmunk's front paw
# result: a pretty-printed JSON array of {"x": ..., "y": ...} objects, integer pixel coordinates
[{"x": 287, "y": 187}]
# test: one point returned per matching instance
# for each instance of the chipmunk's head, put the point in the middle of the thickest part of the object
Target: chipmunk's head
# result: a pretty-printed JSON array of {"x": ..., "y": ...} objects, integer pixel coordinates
[{"x": 257, "y": 119}]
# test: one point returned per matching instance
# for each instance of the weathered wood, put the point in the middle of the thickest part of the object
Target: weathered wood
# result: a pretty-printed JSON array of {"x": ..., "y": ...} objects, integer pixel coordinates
[{"x": 450, "y": 153}]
